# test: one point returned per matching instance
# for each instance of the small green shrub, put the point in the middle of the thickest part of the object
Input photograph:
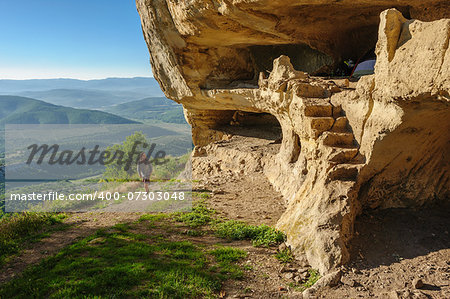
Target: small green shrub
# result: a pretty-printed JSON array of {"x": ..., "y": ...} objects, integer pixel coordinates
[
  {"x": 56, "y": 218},
  {"x": 314, "y": 276},
  {"x": 268, "y": 236},
  {"x": 261, "y": 235},
  {"x": 122, "y": 227},
  {"x": 234, "y": 230},
  {"x": 228, "y": 254},
  {"x": 284, "y": 256}
]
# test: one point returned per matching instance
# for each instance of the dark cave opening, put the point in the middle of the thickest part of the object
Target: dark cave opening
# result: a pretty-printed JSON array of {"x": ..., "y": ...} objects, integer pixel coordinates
[
  {"x": 256, "y": 125},
  {"x": 302, "y": 57},
  {"x": 242, "y": 66}
]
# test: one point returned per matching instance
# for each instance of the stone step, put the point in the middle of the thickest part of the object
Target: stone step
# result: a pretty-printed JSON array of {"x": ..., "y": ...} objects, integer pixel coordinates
[
  {"x": 318, "y": 108},
  {"x": 321, "y": 124},
  {"x": 344, "y": 172},
  {"x": 341, "y": 125},
  {"x": 337, "y": 139},
  {"x": 337, "y": 111},
  {"x": 343, "y": 155}
]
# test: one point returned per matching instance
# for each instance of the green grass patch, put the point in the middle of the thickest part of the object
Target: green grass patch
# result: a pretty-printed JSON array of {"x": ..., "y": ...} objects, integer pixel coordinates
[
  {"x": 115, "y": 263},
  {"x": 122, "y": 227},
  {"x": 226, "y": 258},
  {"x": 18, "y": 229},
  {"x": 261, "y": 235},
  {"x": 152, "y": 219},
  {"x": 200, "y": 216}
]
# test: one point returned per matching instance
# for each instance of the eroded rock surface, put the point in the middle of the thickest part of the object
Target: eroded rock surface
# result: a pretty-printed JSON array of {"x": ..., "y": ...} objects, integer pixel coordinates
[{"x": 236, "y": 65}]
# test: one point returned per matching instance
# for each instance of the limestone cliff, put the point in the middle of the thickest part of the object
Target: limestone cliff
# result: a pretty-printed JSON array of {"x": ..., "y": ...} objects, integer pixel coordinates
[{"x": 383, "y": 143}]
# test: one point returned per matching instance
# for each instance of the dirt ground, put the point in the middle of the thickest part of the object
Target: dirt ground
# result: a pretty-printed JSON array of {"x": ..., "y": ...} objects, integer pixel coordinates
[
  {"x": 394, "y": 247},
  {"x": 249, "y": 198}
]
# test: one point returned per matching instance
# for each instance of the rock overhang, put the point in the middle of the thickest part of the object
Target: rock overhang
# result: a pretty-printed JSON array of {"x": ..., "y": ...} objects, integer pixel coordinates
[{"x": 211, "y": 44}]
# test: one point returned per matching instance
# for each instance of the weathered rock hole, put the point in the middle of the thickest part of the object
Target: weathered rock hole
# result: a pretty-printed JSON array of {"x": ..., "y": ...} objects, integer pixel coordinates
[{"x": 296, "y": 149}]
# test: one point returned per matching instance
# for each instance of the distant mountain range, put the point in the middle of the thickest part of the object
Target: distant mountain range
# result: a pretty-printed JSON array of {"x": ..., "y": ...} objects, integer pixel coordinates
[
  {"x": 130, "y": 98},
  {"x": 140, "y": 84},
  {"x": 156, "y": 108},
  {"x": 83, "y": 98},
  {"x": 21, "y": 110},
  {"x": 92, "y": 94}
]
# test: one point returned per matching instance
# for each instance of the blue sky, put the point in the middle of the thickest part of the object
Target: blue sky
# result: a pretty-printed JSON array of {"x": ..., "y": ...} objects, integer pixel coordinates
[{"x": 81, "y": 39}]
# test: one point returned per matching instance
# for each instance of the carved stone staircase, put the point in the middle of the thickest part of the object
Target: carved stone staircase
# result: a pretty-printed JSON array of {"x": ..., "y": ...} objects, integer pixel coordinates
[{"x": 330, "y": 127}]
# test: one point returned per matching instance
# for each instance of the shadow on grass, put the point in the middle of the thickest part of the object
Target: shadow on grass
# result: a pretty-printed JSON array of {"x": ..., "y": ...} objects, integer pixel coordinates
[{"x": 117, "y": 263}]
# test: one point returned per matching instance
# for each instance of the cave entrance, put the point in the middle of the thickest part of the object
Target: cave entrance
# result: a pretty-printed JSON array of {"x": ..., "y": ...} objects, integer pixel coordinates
[
  {"x": 255, "y": 131},
  {"x": 235, "y": 166},
  {"x": 314, "y": 62},
  {"x": 259, "y": 125},
  {"x": 302, "y": 57}
]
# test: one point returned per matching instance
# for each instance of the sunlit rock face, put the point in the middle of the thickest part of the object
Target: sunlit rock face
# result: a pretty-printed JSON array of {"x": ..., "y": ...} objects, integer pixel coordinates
[{"x": 379, "y": 143}]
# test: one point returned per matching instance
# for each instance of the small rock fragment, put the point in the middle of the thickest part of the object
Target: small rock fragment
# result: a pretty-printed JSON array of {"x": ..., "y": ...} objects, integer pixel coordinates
[
  {"x": 309, "y": 293},
  {"x": 303, "y": 275},
  {"x": 287, "y": 268},
  {"x": 348, "y": 281},
  {"x": 302, "y": 261},
  {"x": 417, "y": 283},
  {"x": 289, "y": 275},
  {"x": 391, "y": 295},
  {"x": 298, "y": 279}
]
